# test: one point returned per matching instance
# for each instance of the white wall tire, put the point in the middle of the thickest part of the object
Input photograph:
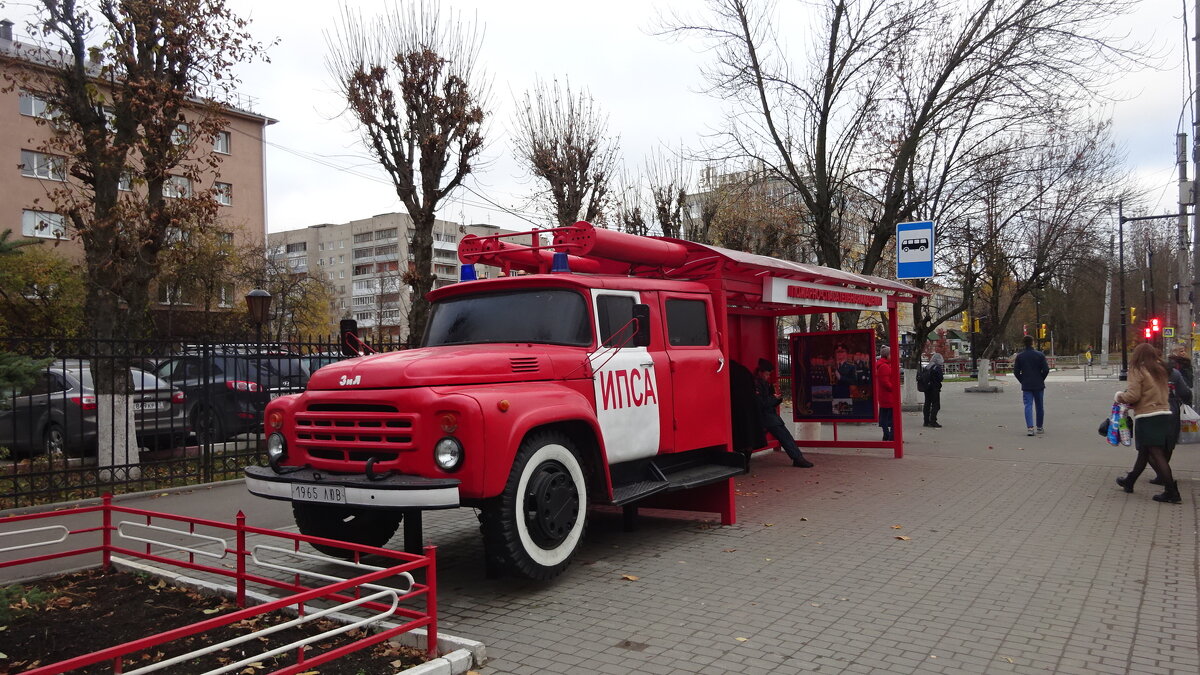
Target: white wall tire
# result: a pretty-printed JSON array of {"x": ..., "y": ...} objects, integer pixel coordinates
[{"x": 538, "y": 523}]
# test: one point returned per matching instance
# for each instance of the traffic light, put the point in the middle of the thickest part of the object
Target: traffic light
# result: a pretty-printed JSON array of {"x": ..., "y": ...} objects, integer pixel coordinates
[
  {"x": 1042, "y": 332},
  {"x": 1155, "y": 326},
  {"x": 966, "y": 323},
  {"x": 1147, "y": 329},
  {"x": 1132, "y": 314},
  {"x": 977, "y": 326}
]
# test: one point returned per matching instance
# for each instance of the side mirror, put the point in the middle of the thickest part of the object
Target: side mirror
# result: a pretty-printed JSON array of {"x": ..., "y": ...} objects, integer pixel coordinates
[{"x": 641, "y": 314}]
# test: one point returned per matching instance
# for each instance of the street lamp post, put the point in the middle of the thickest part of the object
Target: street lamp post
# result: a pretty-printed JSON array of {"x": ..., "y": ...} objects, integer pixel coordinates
[
  {"x": 1121, "y": 220},
  {"x": 258, "y": 303}
]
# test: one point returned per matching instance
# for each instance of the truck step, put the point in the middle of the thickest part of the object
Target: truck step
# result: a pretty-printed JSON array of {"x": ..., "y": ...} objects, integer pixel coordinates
[
  {"x": 701, "y": 474},
  {"x": 625, "y": 494}
]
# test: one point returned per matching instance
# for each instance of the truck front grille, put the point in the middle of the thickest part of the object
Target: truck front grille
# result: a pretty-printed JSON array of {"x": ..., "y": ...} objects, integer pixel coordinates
[{"x": 354, "y": 432}]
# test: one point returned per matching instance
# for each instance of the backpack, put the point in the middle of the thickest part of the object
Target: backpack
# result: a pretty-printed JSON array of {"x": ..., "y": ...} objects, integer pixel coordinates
[{"x": 923, "y": 378}]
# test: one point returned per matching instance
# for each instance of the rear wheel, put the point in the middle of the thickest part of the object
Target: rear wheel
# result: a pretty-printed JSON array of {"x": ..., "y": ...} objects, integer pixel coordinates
[
  {"x": 54, "y": 441},
  {"x": 537, "y": 523},
  {"x": 345, "y": 523}
]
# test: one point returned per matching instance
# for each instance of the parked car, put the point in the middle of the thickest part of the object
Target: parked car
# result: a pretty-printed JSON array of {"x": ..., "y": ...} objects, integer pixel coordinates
[
  {"x": 226, "y": 393},
  {"x": 58, "y": 414}
]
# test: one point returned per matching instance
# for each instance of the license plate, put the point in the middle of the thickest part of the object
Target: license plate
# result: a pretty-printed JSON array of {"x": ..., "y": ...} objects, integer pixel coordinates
[
  {"x": 150, "y": 405},
  {"x": 329, "y": 494}
]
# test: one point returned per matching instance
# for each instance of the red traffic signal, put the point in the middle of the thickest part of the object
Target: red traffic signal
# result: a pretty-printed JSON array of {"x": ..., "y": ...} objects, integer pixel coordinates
[
  {"x": 1154, "y": 326},
  {"x": 1147, "y": 332}
]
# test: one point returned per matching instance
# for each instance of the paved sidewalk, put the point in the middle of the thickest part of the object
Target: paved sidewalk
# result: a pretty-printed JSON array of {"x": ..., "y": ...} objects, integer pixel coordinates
[{"x": 1022, "y": 556}]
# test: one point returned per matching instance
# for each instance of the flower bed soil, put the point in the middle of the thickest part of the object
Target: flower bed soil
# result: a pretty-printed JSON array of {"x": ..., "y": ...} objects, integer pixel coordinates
[{"x": 58, "y": 618}]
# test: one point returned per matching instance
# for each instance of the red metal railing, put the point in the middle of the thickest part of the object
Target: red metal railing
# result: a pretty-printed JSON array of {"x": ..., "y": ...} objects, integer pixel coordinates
[{"x": 347, "y": 592}]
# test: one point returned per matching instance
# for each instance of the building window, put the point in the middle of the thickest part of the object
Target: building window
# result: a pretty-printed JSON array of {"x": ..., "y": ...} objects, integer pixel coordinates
[
  {"x": 364, "y": 301},
  {"x": 225, "y": 295},
  {"x": 33, "y": 105},
  {"x": 330, "y": 276},
  {"x": 41, "y": 165},
  {"x": 177, "y": 187},
  {"x": 341, "y": 259},
  {"x": 360, "y": 253},
  {"x": 390, "y": 315},
  {"x": 321, "y": 246},
  {"x": 221, "y": 142},
  {"x": 363, "y": 237},
  {"x": 341, "y": 274},
  {"x": 181, "y": 134},
  {"x": 362, "y": 269},
  {"x": 223, "y": 193},
  {"x": 341, "y": 243},
  {"x": 342, "y": 290},
  {"x": 385, "y": 234},
  {"x": 171, "y": 294},
  {"x": 390, "y": 249},
  {"x": 43, "y": 225},
  {"x": 226, "y": 238}
]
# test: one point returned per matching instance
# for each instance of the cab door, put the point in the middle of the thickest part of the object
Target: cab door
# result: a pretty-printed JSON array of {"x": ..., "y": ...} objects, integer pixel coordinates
[
  {"x": 627, "y": 379},
  {"x": 699, "y": 375}
]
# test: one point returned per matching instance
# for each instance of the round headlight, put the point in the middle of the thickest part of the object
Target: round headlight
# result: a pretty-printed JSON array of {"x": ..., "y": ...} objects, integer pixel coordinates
[
  {"x": 448, "y": 454},
  {"x": 276, "y": 448}
]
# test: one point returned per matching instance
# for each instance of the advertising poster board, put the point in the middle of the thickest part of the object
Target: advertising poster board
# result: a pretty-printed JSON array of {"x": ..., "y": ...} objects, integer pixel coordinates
[{"x": 833, "y": 376}]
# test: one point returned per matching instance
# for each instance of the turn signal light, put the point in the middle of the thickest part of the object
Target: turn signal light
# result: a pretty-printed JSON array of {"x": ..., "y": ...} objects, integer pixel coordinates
[
  {"x": 449, "y": 422},
  {"x": 275, "y": 420},
  {"x": 503, "y": 406}
]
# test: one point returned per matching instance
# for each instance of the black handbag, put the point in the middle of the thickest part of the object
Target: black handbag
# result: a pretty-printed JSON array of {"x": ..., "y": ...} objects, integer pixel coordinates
[{"x": 1104, "y": 426}]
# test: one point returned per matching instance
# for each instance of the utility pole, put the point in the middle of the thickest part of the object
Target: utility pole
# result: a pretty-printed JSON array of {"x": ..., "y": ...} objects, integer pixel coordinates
[
  {"x": 1104, "y": 326},
  {"x": 1183, "y": 317},
  {"x": 1187, "y": 330}
]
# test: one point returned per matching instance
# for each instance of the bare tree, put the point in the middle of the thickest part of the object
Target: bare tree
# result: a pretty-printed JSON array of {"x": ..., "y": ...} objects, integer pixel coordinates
[
  {"x": 410, "y": 80},
  {"x": 669, "y": 181},
  {"x": 562, "y": 138},
  {"x": 883, "y": 78},
  {"x": 629, "y": 206}
]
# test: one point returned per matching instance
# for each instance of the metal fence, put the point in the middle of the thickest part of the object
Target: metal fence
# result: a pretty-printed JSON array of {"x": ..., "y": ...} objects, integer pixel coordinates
[{"x": 187, "y": 413}]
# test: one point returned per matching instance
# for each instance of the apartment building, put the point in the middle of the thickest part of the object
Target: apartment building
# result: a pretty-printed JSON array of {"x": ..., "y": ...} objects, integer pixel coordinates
[
  {"x": 363, "y": 263},
  {"x": 27, "y": 174}
]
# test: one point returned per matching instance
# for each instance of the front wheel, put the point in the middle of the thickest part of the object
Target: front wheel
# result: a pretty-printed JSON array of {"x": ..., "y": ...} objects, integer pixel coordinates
[
  {"x": 537, "y": 523},
  {"x": 345, "y": 523}
]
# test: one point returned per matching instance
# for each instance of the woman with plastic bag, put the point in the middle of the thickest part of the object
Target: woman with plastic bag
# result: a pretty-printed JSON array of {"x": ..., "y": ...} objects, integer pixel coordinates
[{"x": 1155, "y": 427}]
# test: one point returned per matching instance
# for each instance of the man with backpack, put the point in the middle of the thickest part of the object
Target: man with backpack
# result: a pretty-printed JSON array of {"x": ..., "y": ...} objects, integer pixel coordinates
[
  {"x": 1030, "y": 369},
  {"x": 929, "y": 381}
]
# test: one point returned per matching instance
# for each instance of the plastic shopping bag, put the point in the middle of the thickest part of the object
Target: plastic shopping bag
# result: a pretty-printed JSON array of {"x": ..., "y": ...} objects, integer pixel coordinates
[
  {"x": 1126, "y": 430},
  {"x": 1189, "y": 424},
  {"x": 1114, "y": 425}
]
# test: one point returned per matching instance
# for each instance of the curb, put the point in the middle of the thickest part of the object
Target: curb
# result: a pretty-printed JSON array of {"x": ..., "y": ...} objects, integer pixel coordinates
[{"x": 463, "y": 654}]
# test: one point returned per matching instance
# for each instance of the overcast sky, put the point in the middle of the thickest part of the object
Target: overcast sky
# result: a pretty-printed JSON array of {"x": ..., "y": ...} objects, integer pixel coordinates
[{"x": 318, "y": 171}]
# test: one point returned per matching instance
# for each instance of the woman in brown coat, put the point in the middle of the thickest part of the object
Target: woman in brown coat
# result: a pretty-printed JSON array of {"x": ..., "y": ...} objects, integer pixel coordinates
[{"x": 1147, "y": 395}]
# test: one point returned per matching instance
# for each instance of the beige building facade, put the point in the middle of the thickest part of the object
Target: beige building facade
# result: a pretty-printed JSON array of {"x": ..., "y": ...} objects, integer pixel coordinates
[
  {"x": 27, "y": 175},
  {"x": 363, "y": 262}
]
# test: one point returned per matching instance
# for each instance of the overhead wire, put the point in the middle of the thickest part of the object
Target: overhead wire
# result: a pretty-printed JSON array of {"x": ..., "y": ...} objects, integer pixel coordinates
[{"x": 317, "y": 158}]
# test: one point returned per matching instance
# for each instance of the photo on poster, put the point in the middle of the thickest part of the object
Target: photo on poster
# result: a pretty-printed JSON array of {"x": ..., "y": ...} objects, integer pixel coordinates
[{"x": 833, "y": 376}]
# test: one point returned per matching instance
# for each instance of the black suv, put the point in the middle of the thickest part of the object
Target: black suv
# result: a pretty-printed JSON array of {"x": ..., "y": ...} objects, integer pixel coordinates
[{"x": 226, "y": 393}]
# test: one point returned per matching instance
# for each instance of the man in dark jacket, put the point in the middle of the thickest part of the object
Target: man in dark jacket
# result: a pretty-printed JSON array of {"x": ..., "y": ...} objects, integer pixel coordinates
[
  {"x": 1030, "y": 369},
  {"x": 933, "y": 389},
  {"x": 772, "y": 423}
]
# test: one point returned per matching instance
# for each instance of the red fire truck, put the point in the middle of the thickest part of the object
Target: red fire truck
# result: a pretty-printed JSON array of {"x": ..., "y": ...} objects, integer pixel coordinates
[{"x": 596, "y": 371}]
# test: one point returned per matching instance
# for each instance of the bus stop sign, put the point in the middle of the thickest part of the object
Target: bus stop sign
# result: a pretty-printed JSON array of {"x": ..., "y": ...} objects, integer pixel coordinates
[{"x": 914, "y": 250}]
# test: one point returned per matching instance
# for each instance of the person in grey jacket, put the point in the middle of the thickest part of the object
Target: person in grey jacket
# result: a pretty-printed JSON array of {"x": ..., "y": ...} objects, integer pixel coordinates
[{"x": 1030, "y": 369}]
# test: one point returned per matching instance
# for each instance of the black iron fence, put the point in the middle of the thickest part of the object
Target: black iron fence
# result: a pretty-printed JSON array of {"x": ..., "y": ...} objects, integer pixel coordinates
[{"x": 80, "y": 417}]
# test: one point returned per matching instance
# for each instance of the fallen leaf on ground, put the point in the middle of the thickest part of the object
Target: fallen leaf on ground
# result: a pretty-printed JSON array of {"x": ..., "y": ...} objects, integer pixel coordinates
[
  {"x": 904, "y": 538},
  {"x": 211, "y": 611},
  {"x": 728, "y": 550},
  {"x": 629, "y": 577},
  {"x": 804, "y": 519},
  {"x": 896, "y": 527},
  {"x": 741, "y": 639},
  {"x": 768, "y": 524}
]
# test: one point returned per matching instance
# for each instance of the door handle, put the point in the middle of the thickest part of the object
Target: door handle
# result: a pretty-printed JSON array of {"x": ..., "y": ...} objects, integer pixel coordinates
[
  {"x": 649, "y": 364},
  {"x": 720, "y": 363}
]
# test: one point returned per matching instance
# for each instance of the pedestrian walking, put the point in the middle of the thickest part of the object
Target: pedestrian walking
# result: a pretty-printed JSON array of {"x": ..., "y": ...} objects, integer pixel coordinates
[
  {"x": 1147, "y": 393},
  {"x": 1181, "y": 359},
  {"x": 1030, "y": 369},
  {"x": 885, "y": 393},
  {"x": 772, "y": 423},
  {"x": 933, "y": 390}
]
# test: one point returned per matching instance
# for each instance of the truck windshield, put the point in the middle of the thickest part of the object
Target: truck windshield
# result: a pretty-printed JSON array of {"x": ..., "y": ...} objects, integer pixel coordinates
[{"x": 544, "y": 316}]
